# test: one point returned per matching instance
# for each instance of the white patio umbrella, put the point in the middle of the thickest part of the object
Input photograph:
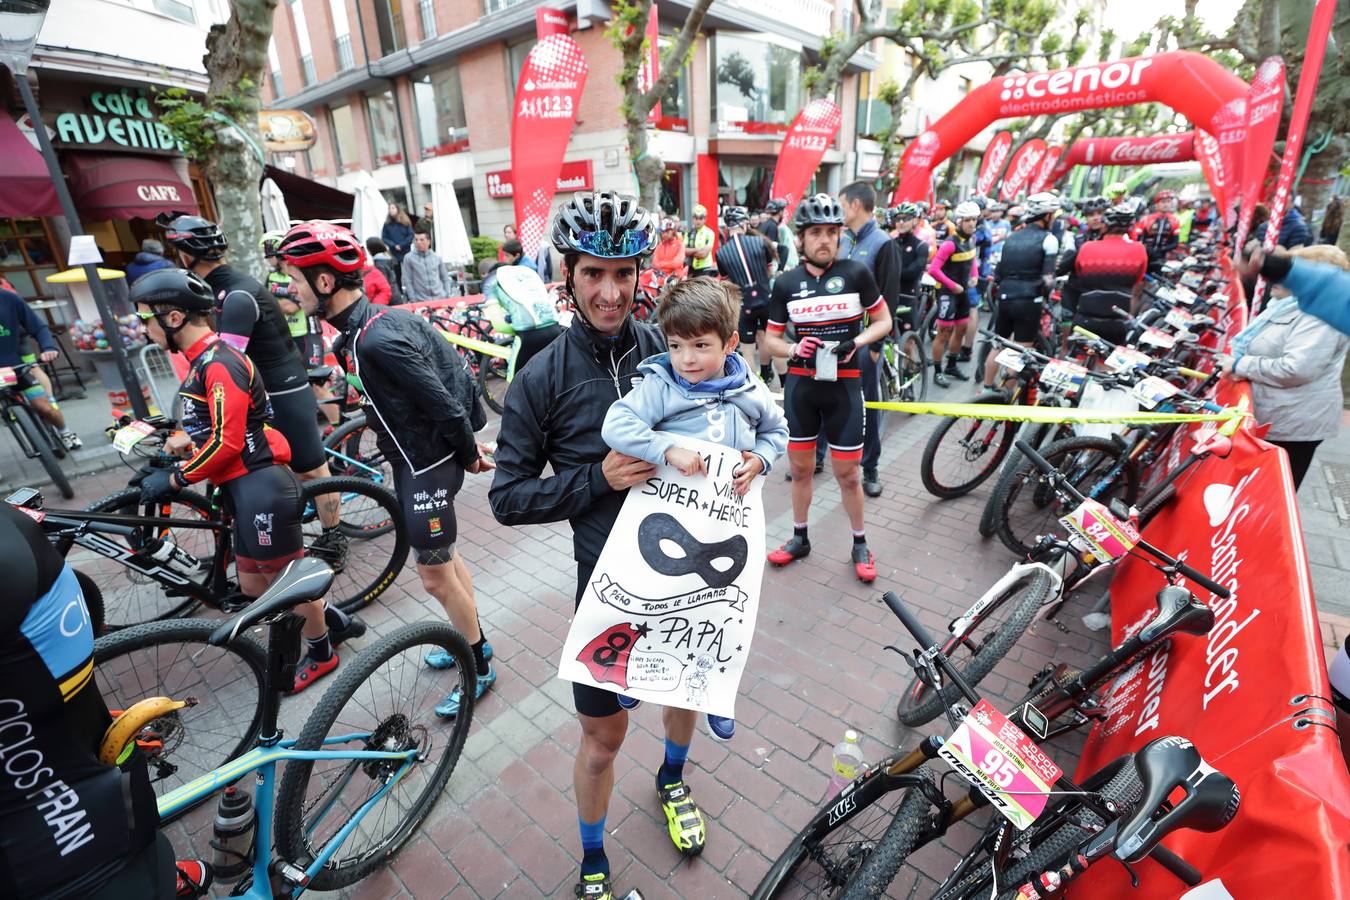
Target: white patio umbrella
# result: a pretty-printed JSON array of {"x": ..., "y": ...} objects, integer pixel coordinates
[
  {"x": 370, "y": 209},
  {"x": 276, "y": 217},
  {"x": 452, "y": 239}
]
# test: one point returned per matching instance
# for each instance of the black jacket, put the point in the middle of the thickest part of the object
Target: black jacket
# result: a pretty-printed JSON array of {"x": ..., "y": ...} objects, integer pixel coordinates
[
  {"x": 554, "y": 412},
  {"x": 419, "y": 395}
]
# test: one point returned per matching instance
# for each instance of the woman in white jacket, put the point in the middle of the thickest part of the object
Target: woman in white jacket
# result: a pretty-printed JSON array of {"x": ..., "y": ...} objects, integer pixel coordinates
[{"x": 1293, "y": 361}]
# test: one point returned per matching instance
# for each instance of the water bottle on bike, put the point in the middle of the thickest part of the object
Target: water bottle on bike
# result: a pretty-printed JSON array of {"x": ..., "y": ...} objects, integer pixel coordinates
[{"x": 848, "y": 762}]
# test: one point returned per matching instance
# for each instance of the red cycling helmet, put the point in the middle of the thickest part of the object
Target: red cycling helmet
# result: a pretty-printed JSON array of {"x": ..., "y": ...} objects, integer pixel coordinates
[{"x": 322, "y": 243}]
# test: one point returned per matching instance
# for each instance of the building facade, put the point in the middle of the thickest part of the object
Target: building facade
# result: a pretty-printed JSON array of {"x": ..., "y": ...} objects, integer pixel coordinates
[{"x": 422, "y": 92}]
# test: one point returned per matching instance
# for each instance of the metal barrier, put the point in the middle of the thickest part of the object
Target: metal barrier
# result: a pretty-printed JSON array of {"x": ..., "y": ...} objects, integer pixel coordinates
[{"x": 154, "y": 364}]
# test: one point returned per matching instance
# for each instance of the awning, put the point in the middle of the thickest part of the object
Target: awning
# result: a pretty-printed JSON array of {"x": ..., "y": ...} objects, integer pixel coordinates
[
  {"x": 113, "y": 186},
  {"x": 307, "y": 199},
  {"x": 25, "y": 186}
]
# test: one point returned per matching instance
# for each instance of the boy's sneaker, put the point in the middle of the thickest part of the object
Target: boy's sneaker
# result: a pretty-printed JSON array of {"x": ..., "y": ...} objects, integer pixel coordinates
[
  {"x": 796, "y": 548},
  {"x": 629, "y": 703},
  {"x": 441, "y": 659},
  {"x": 721, "y": 728}
]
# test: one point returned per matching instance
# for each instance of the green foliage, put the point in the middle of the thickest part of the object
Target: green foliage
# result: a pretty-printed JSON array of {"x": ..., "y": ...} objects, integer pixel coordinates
[
  {"x": 188, "y": 120},
  {"x": 484, "y": 247}
]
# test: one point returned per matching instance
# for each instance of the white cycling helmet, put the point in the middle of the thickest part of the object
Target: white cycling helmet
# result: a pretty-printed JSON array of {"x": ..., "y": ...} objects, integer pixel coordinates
[
  {"x": 1040, "y": 204},
  {"x": 966, "y": 210}
]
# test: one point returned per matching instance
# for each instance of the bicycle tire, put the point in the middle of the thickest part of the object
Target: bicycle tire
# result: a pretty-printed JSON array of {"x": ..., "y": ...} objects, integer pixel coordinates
[
  {"x": 901, "y": 839},
  {"x": 146, "y": 600},
  {"x": 24, "y": 419},
  {"x": 93, "y": 602},
  {"x": 1000, "y": 437},
  {"x": 221, "y": 717},
  {"x": 1056, "y": 453},
  {"x": 920, "y": 703},
  {"x": 911, "y": 348},
  {"x": 298, "y": 839},
  {"x": 53, "y": 437},
  {"x": 492, "y": 383},
  {"x": 989, "y": 517},
  {"x": 353, "y": 589},
  {"x": 868, "y": 791}
]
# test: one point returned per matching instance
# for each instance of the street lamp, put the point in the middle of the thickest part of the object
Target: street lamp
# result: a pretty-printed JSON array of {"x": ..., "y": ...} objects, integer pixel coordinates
[{"x": 20, "y": 23}]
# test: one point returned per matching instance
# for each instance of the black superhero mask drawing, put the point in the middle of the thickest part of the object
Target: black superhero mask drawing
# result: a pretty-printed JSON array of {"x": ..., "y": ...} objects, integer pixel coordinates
[{"x": 697, "y": 556}]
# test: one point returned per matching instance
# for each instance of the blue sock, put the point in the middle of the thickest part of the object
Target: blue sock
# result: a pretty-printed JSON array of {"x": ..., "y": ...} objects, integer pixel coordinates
[
  {"x": 672, "y": 770},
  {"x": 593, "y": 859}
]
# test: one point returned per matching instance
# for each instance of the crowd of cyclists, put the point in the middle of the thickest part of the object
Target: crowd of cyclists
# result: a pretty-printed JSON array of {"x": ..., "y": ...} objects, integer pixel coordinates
[{"x": 816, "y": 295}]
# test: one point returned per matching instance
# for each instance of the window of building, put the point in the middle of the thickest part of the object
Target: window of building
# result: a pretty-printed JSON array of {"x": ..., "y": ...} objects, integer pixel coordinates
[
  {"x": 302, "y": 42},
  {"x": 675, "y": 101},
  {"x": 274, "y": 68},
  {"x": 181, "y": 10},
  {"x": 439, "y": 100},
  {"x": 344, "y": 137},
  {"x": 28, "y": 255},
  {"x": 342, "y": 34},
  {"x": 516, "y": 54},
  {"x": 426, "y": 13},
  {"x": 754, "y": 80},
  {"x": 315, "y": 161},
  {"x": 389, "y": 23},
  {"x": 383, "y": 118}
]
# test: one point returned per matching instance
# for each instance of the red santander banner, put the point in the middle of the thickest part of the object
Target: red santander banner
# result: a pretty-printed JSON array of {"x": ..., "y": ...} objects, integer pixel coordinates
[
  {"x": 1021, "y": 167},
  {"x": 650, "y": 69},
  {"x": 807, "y": 140},
  {"x": 572, "y": 176},
  {"x": 1211, "y": 163},
  {"x": 1044, "y": 172},
  {"x": 550, "y": 21},
  {"x": 1264, "y": 102},
  {"x": 995, "y": 155},
  {"x": 546, "y": 103}
]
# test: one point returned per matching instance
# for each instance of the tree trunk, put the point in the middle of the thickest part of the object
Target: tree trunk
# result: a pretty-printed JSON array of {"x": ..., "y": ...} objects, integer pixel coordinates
[
  {"x": 1322, "y": 167},
  {"x": 648, "y": 167},
  {"x": 236, "y": 55}
]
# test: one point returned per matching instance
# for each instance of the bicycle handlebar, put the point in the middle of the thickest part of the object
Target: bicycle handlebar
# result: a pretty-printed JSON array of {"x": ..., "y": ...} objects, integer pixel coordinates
[
  {"x": 929, "y": 646},
  {"x": 1061, "y": 483}
]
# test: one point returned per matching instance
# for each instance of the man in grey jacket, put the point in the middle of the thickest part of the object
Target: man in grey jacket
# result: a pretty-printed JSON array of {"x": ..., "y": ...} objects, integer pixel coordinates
[{"x": 424, "y": 275}]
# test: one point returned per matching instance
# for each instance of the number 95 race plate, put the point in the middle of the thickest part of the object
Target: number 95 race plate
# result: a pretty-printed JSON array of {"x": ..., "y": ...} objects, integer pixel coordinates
[{"x": 998, "y": 758}]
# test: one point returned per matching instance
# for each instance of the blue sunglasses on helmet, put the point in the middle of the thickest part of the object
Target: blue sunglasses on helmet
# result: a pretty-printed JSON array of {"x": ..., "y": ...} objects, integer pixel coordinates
[{"x": 603, "y": 245}]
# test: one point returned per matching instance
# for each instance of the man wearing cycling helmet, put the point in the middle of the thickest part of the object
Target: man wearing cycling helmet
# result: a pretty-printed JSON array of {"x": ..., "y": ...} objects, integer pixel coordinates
[
  {"x": 423, "y": 408},
  {"x": 954, "y": 267},
  {"x": 824, "y": 299},
  {"x": 914, "y": 255},
  {"x": 1106, "y": 275},
  {"x": 743, "y": 259},
  {"x": 668, "y": 258},
  {"x": 1159, "y": 232},
  {"x": 554, "y": 414},
  {"x": 1024, "y": 275},
  {"x": 227, "y": 439},
  {"x": 250, "y": 320},
  {"x": 1116, "y": 192},
  {"x": 984, "y": 251}
]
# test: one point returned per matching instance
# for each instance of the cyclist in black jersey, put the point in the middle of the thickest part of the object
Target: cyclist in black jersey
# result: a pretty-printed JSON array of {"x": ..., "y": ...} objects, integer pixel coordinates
[
  {"x": 825, "y": 299},
  {"x": 73, "y": 827},
  {"x": 249, "y": 319}
]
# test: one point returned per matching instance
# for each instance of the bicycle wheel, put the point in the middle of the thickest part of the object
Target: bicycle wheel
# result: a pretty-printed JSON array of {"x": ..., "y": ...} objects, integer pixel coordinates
[
  {"x": 34, "y": 435},
  {"x": 837, "y": 844},
  {"x": 352, "y": 450},
  {"x": 1034, "y": 434},
  {"x": 93, "y": 602},
  {"x": 382, "y": 700},
  {"x": 492, "y": 383},
  {"x": 963, "y": 452},
  {"x": 378, "y": 547},
  {"x": 173, "y": 659},
  {"x": 904, "y": 376},
  {"x": 1096, "y": 466},
  {"x": 995, "y": 628},
  {"x": 130, "y": 595}
]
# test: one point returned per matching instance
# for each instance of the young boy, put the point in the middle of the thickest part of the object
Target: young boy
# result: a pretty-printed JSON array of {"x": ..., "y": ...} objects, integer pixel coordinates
[{"x": 700, "y": 389}]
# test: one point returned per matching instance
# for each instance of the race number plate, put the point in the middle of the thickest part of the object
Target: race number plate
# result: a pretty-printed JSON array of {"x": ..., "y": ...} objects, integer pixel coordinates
[
  {"x": 1156, "y": 337},
  {"x": 1151, "y": 391},
  {"x": 1107, "y": 537},
  {"x": 1179, "y": 318},
  {"x": 129, "y": 436},
  {"x": 1003, "y": 763},
  {"x": 1125, "y": 359},
  {"x": 1063, "y": 375},
  {"x": 8, "y": 377},
  {"x": 1010, "y": 359}
]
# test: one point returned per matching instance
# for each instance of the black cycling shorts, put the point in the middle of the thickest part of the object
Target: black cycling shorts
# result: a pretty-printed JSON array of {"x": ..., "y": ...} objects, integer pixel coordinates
[
  {"x": 908, "y": 321},
  {"x": 752, "y": 321},
  {"x": 295, "y": 415},
  {"x": 528, "y": 343},
  {"x": 1019, "y": 319},
  {"x": 428, "y": 502},
  {"x": 267, "y": 505},
  {"x": 836, "y": 407},
  {"x": 953, "y": 309},
  {"x": 588, "y": 699}
]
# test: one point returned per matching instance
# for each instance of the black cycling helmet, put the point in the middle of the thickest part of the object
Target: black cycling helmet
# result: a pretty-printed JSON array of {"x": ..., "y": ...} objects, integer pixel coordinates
[
  {"x": 195, "y": 236},
  {"x": 1119, "y": 216},
  {"x": 604, "y": 224},
  {"x": 735, "y": 215},
  {"x": 776, "y": 205},
  {"x": 822, "y": 209},
  {"x": 1096, "y": 204},
  {"x": 173, "y": 288}
]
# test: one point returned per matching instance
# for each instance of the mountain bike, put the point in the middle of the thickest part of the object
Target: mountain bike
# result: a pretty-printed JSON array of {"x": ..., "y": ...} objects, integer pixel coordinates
[
  {"x": 37, "y": 438},
  {"x": 901, "y": 365},
  {"x": 1047, "y": 830},
  {"x": 365, "y": 770}
]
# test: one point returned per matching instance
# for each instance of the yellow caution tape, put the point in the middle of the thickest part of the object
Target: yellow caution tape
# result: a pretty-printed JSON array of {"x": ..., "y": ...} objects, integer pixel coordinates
[
  {"x": 1054, "y": 415},
  {"x": 475, "y": 344}
]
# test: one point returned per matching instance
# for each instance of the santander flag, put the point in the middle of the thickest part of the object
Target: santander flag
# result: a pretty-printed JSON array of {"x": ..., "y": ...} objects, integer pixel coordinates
[
  {"x": 1021, "y": 167},
  {"x": 995, "y": 155},
  {"x": 1264, "y": 102},
  {"x": 805, "y": 144},
  {"x": 545, "y": 112}
]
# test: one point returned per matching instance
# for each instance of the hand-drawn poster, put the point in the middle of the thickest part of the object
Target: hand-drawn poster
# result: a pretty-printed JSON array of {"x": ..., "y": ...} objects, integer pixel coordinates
[{"x": 671, "y": 606}]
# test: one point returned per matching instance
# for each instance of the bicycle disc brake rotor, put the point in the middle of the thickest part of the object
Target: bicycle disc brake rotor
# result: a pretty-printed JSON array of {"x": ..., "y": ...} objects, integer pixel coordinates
[{"x": 394, "y": 735}]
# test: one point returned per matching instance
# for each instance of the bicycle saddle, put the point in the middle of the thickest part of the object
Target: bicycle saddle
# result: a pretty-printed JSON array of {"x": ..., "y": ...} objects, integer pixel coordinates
[
  {"x": 1178, "y": 610},
  {"x": 1164, "y": 765},
  {"x": 301, "y": 581}
]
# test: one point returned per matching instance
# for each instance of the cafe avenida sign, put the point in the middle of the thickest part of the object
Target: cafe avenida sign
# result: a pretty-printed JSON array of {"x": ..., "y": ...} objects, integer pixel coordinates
[{"x": 115, "y": 118}]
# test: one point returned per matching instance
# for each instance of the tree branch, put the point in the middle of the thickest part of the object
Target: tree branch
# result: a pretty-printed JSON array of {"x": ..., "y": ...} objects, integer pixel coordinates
[{"x": 673, "y": 61}]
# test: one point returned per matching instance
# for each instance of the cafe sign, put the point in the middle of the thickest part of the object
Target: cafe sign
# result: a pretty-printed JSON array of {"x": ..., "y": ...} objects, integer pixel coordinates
[
  {"x": 286, "y": 130},
  {"x": 112, "y": 119}
]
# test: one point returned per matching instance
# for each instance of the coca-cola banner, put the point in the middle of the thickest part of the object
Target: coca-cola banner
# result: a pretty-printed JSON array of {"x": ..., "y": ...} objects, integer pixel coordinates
[
  {"x": 1021, "y": 168},
  {"x": 1042, "y": 179},
  {"x": 545, "y": 112},
  {"x": 1229, "y": 128},
  {"x": 1192, "y": 84},
  {"x": 1211, "y": 163},
  {"x": 995, "y": 155},
  {"x": 1264, "y": 103},
  {"x": 805, "y": 144},
  {"x": 1127, "y": 151}
]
